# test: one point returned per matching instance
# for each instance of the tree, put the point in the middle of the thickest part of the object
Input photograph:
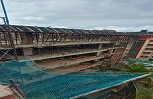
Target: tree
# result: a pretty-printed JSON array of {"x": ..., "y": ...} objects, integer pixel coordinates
[{"x": 135, "y": 68}]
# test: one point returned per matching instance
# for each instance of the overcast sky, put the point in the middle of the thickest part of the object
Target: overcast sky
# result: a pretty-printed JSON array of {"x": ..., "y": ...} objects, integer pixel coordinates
[{"x": 121, "y": 15}]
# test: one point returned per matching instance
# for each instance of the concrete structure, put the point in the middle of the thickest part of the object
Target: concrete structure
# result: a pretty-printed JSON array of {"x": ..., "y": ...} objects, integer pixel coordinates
[
  {"x": 60, "y": 47},
  {"x": 146, "y": 49}
]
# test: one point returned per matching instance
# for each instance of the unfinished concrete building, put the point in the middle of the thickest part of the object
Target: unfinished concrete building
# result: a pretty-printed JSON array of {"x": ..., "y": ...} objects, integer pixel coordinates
[
  {"x": 146, "y": 49},
  {"x": 66, "y": 49}
]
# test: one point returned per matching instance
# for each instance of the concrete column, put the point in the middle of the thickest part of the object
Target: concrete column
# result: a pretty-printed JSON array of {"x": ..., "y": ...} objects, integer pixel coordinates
[
  {"x": 27, "y": 51},
  {"x": 98, "y": 53},
  {"x": 126, "y": 51},
  {"x": 100, "y": 47},
  {"x": 128, "y": 48}
]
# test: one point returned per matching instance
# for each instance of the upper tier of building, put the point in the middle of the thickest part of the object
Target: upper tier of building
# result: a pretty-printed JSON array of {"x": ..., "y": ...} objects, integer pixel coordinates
[{"x": 35, "y": 29}]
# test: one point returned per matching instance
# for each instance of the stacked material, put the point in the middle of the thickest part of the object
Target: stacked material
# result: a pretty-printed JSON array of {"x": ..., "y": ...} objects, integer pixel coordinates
[{"x": 6, "y": 93}]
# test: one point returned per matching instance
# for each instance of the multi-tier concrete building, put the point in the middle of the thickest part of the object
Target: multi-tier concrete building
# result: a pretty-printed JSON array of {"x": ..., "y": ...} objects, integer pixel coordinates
[{"x": 66, "y": 49}]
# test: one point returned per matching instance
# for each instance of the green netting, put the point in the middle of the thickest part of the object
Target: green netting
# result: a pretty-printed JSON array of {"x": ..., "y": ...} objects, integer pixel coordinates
[
  {"x": 29, "y": 71},
  {"x": 142, "y": 61},
  {"x": 35, "y": 83},
  {"x": 73, "y": 84}
]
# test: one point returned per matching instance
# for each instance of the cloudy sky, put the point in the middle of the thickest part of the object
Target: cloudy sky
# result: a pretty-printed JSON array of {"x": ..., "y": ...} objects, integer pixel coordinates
[{"x": 121, "y": 15}]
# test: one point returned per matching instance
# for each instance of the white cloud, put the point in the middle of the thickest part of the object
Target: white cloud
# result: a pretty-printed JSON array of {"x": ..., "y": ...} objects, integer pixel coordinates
[
  {"x": 31, "y": 18},
  {"x": 59, "y": 27},
  {"x": 126, "y": 29}
]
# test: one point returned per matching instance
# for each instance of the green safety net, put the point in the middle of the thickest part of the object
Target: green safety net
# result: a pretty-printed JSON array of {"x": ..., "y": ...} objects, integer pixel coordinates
[
  {"x": 141, "y": 61},
  {"x": 22, "y": 70},
  {"x": 36, "y": 83},
  {"x": 70, "y": 85}
]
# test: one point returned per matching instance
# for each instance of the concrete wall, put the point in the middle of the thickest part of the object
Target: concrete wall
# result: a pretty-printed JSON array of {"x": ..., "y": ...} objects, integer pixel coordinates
[
  {"x": 27, "y": 51},
  {"x": 143, "y": 49}
]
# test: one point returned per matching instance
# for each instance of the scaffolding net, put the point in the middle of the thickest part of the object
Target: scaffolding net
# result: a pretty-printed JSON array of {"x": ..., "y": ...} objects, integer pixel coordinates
[
  {"x": 20, "y": 71},
  {"x": 36, "y": 83},
  {"x": 147, "y": 63}
]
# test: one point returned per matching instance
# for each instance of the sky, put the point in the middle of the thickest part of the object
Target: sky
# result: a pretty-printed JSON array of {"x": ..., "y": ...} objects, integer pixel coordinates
[{"x": 120, "y": 15}]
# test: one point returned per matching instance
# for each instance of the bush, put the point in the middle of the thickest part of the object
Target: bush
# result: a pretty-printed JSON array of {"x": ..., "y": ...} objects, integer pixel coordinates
[{"x": 135, "y": 68}]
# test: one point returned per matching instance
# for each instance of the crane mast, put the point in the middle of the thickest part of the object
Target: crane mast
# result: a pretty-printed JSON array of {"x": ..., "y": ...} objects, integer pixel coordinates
[{"x": 6, "y": 21}]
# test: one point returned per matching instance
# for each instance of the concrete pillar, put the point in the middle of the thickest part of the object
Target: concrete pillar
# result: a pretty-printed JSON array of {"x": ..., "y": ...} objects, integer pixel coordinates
[
  {"x": 128, "y": 48},
  {"x": 27, "y": 51},
  {"x": 100, "y": 47},
  {"x": 98, "y": 53}
]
